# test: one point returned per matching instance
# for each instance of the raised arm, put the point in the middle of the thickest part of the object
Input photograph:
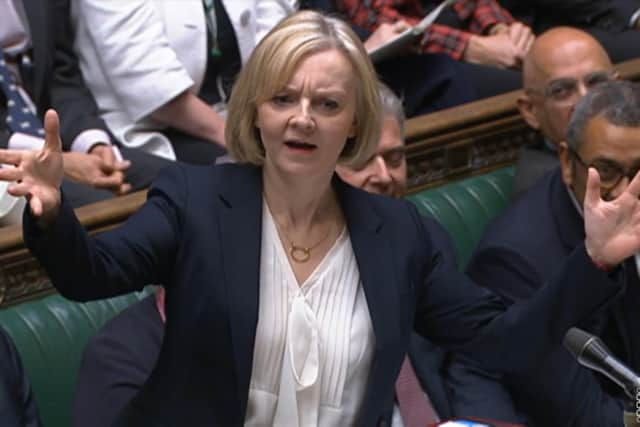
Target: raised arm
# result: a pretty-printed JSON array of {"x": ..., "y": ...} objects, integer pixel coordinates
[
  {"x": 456, "y": 313},
  {"x": 81, "y": 267}
]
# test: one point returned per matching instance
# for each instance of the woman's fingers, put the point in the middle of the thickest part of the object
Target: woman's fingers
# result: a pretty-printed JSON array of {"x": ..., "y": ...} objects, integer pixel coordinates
[
  {"x": 52, "y": 139},
  {"x": 19, "y": 189},
  {"x": 11, "y": 157},
  {"x": 10, "y": 174}
]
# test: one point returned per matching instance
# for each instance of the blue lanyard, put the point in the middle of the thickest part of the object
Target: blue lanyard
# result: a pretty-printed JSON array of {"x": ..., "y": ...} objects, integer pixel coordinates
[{"x": 212, "y": 25}]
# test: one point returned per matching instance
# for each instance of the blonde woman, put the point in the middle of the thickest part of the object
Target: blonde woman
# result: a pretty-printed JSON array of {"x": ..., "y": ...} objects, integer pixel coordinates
[{"x": 290, "y": 296}]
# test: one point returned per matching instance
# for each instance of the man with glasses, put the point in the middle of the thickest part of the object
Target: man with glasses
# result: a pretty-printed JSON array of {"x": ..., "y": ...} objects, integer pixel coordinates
[
  {"x": 524, "y": 247},
  {"x": 562, "y": 66}
]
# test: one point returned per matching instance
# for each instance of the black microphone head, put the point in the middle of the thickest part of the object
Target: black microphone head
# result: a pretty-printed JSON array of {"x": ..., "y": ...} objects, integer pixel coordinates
[
  {"x": 592, "y": 353},
  {"x": 576, "y": 340},
  {"x": 587, "y": 348}
]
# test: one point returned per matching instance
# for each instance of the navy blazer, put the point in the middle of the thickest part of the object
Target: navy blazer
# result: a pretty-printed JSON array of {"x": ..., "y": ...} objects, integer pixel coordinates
[
  {"x": 119, "y": 358},
  {"x": 520, "y": 251},
  {"x": 199, "y": 234}
]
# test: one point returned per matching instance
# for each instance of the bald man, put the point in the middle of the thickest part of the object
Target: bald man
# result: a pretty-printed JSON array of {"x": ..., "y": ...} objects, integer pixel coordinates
[{"x": 561, "y": 67}]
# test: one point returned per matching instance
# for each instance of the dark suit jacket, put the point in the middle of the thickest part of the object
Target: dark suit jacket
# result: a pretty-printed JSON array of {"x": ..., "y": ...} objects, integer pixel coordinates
[
  {"x": 609, "y": 15},
  {"x": 534, "y": 161},
  {"x": 17, "y": 406},
  {"x": 119, "y": 358},
  {"x": 523, "y": 249},
  {"x": 199, "y": 234},
  {"x": 116, "y": 363},
  {"x": 606, "y": 20}
]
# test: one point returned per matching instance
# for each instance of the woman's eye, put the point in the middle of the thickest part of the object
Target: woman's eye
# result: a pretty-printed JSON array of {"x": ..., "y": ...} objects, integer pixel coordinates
[
  {"x": 329, "y": 104},
  {"x": 282, "y": 99}
]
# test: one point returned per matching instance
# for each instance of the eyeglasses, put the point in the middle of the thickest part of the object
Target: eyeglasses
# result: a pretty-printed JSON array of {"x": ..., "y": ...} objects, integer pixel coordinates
[
  {"x": 564, "y": 89},
  {"x": 611, "y": 173}
]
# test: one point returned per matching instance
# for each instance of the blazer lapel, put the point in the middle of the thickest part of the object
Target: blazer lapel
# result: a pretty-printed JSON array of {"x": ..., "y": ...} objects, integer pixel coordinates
[
  {"x": 375, "y": 264},
  {"x": 241, "y": 233}
]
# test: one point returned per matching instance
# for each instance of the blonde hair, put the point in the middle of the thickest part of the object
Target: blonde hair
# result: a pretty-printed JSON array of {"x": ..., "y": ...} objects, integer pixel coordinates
[{"x": 270, "y": 68}]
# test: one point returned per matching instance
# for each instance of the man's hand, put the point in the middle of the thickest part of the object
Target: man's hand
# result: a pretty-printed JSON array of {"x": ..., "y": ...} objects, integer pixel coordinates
[
  {"x": 505, "y": 48},
  {"x": 522, "y": 37},
  {"x": 37, "y": 173},
  {"x": 98, "y": 169},
  {"x": 612, "y": 228},
  {"x": 384, "y": 33}
]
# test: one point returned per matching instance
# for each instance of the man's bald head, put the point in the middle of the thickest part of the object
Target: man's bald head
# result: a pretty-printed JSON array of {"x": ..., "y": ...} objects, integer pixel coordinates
[
  {"x": 558, "y": 48},
  {"x": 561, "y": 66}
]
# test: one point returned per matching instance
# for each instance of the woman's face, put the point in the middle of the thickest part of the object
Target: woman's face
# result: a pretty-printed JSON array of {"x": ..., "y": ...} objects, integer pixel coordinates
[{"x": 305, "y": 125}]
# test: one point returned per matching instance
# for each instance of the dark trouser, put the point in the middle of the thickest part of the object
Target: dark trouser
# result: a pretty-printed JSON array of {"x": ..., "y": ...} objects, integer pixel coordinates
[
  {"x": 620, "y": 46},
  {"x": 426, "y": 82},
  {"x": 491, "y": 81},
  {"x": 190, "y": 149}
]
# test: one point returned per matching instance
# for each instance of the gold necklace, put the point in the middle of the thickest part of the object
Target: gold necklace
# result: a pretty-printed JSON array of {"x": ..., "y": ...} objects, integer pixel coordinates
[{"x": 301, "y": 254}]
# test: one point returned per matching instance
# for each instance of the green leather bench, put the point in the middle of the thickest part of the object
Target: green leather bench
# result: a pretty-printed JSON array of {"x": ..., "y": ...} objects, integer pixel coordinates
[
  {"x": 51, "y": 333},
  {"x": 465, "y": 207}
]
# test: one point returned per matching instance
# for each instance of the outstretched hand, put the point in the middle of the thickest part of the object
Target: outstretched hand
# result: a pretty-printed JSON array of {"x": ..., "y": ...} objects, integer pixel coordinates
[
  {"x": 612, "y": 227},
  {"x": 37, "y": 173}
]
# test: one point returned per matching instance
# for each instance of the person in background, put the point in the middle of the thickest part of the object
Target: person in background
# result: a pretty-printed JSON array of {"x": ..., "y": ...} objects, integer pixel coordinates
[
  {"x": 426, "y": 82},
  {"x": 302, "y": 264},
  {"x": 480, "y": 36},
  {"x": 614, "y": 23},
  {"x": 563, "y": 65},
  {"x": 524, "y": 247},
  {"x": 38, "y": 70},
  {"x": 162, "y": 71}
]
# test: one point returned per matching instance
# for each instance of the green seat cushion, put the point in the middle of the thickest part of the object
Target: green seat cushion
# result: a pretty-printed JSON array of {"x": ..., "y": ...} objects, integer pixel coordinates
[
  {"x": 51, "y": 334},
  {"x": 465, "y": 207}
]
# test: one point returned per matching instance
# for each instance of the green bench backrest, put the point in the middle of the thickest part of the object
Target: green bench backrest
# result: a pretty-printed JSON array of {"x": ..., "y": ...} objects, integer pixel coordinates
[
  {"x": 464, "y": 208},
  {"x": 50, "y": 334}
]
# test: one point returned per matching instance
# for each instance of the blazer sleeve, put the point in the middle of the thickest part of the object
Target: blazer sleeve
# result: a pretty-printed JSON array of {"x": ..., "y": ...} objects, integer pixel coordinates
[
  {"x": 455, "y": 313},
  {"x": 442, "y": 242},
  {"x": 135, "y": 53},
  {"x": 573, "y": 391},
  {"x": 69, "y": 94},
  {"x": 123, "y": 260}
]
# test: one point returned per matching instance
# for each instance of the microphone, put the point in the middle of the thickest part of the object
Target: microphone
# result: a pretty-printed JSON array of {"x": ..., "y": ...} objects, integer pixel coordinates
[{"x": 592, "y": 353}]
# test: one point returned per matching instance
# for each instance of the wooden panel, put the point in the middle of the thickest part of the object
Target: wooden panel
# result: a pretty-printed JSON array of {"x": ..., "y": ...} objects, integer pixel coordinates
[{"x": 22, "y": 278}]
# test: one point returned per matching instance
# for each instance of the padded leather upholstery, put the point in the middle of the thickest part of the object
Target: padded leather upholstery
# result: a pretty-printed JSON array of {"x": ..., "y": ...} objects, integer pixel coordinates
[
  {"x": 50, "y": 334},
  {"x": 464, "y": 208}
]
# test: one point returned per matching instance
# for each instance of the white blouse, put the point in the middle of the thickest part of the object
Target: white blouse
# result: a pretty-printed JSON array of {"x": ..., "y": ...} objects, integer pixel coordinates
[{"x": 314, "y": 342}]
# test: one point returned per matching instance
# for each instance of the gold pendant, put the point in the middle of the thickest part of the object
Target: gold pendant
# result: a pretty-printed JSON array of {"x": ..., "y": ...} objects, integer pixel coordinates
[{"x": 300, "y": 254}]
